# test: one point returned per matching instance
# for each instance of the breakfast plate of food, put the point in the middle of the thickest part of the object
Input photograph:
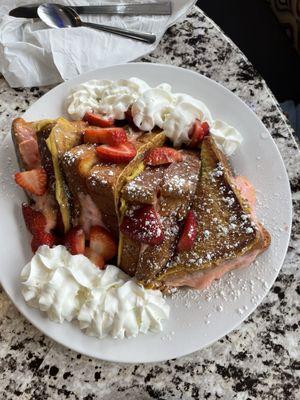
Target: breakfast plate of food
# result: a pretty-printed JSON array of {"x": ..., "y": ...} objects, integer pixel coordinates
[{"x": 146, "y": 212}]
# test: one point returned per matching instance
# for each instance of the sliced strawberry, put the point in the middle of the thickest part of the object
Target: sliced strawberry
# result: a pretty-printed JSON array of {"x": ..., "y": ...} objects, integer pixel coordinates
[
  {"x": 35, "y": 181},
  {"x": 75, "y": 240},
  {"x": 95, "y": 258},
  {"x": 41, "y": 238},
  {"x": 189, "y": 233},
  {"x": 98, "y": 120},
  {"x": 111, "y": 136},
  {"x": 102, "y": 242},
  {"x": 198, "y": 132},
  {"x": 205, "y": 128},
  {"x": 162, "y": 155},
  {"x": 35, "y": 220},
  {"x": 121, "y": 154},
  {"x": 143, "y": 225}
]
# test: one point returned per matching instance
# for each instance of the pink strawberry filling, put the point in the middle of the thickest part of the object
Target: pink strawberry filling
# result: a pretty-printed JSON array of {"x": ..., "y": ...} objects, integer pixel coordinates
[
  {"x": 246, "y": 189},
  {"x": 90, "y": 214},
  {"x": 29, "y": 152},
  {"x": 203, "y": 279}
]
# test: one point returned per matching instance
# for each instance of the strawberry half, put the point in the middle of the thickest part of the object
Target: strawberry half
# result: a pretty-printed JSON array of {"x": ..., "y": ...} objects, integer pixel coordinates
[
  {"x": 111, "y": 136},
  {"x": 189, "y": 233},
  {"x": 205, "y": 128},
  {"x": 75, "y": 240},
  {"x": 41, "y": 238},
  {"x": 121, "y": 154},
  {"x": 143, "y": 225},
  {"x": 35, "y": 181},
  {"x": 162, "y": 155},
  {"x": 198, "y": 132},
  {"x": 35, "y": 220},
  {"x": 95, "y": 258},
  {"x": 98, "y": 120},
  {"x": 102, "y": 242}
]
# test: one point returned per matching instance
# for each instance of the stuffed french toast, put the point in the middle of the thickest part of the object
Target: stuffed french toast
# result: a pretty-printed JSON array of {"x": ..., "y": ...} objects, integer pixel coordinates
[{"x": 143, "y": 183}]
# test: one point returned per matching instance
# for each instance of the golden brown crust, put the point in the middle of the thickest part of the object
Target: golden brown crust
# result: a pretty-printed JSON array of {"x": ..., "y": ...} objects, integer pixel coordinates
[
  {"x": 176, "y": 184},
  {"x": 226, "y": 230},
  {"x": 129, "y": 256},
  {"x": 266, "y": 237},
  {"x": 103, "y": 182}
]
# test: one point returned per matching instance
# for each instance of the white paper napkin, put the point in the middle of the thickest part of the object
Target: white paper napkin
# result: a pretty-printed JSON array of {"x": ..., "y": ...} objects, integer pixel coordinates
[{"x": 32, "y": 54}]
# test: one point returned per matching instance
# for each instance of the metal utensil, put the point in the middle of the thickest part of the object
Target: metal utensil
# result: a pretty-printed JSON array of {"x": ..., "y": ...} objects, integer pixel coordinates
[
  {"x": 59, "y": 16},
  {"x": 161, "y": 8}
]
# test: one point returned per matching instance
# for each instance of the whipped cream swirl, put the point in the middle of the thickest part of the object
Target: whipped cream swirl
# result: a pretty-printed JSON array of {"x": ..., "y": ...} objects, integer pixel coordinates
[
  {"x": 106, "y": 303},
  {"x": 110, "y": 98},
  {"x": 175, "y": 113},
  {"x": 226, "y": 137}
]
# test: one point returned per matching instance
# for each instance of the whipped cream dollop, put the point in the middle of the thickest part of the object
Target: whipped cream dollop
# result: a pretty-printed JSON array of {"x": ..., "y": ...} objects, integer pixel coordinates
[
  {"x": 104, "y": 302},
  {"x": 110, "y": 98},
  {"x": 175, "y": 113},
  {"x": 226, "y": 137}
]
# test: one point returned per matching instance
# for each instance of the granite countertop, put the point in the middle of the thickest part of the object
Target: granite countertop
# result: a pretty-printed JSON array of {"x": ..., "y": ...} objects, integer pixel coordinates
[{"x": 259, "y": 360}]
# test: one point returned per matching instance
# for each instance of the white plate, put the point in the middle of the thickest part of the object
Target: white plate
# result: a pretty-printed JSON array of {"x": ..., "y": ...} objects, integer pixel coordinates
[{"x": 198, "y": 318}]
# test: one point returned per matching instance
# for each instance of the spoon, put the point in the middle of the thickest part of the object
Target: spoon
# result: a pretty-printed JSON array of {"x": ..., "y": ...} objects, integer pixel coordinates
[{"x": 59, "y": 16}]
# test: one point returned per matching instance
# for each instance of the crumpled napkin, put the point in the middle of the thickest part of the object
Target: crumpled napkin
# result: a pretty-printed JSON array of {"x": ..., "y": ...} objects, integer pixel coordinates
[{"x": 31, "y": 54}]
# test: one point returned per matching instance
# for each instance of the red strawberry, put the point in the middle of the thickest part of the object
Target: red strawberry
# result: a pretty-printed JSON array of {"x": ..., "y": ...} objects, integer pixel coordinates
[
  {"x": 143, "y": 225},
  {"x": 95, "y": 258},
  {"x": 189, "y": 233},
  {"x": 42, "y": 238},
  {"x": 98, "y": 120},
  {"x": 205, "y": 128},
  {"x": 35, "y": 220},
  {"x": 111, "y": 136},
  {"x": 35, "y": 181},
  {"x": 162, "y": 155},
  {"x": 75, "y": 240},
  {"x": 199, "y": 130},
  {"x": 102, "y": 242},
  {"x": 123, "y": 153}
]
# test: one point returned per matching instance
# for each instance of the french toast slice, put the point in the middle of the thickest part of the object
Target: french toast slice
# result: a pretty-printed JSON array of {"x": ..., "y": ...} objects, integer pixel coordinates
[
  {"x": 24, "y": 135},
  {"x": 170, "y": 189},
  {"x": 228, "y": 234},
  {"x": 62, "y": 136},
  {"x": 31, "y": 140},
  {"x": 25, "y": 139},
  {"x": 76, "y": 165},
  {"x": 95, "y": 186}
]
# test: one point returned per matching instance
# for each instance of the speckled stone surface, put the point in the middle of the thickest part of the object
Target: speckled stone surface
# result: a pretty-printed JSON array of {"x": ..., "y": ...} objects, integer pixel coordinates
[{"x": 260, "y": 360}]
